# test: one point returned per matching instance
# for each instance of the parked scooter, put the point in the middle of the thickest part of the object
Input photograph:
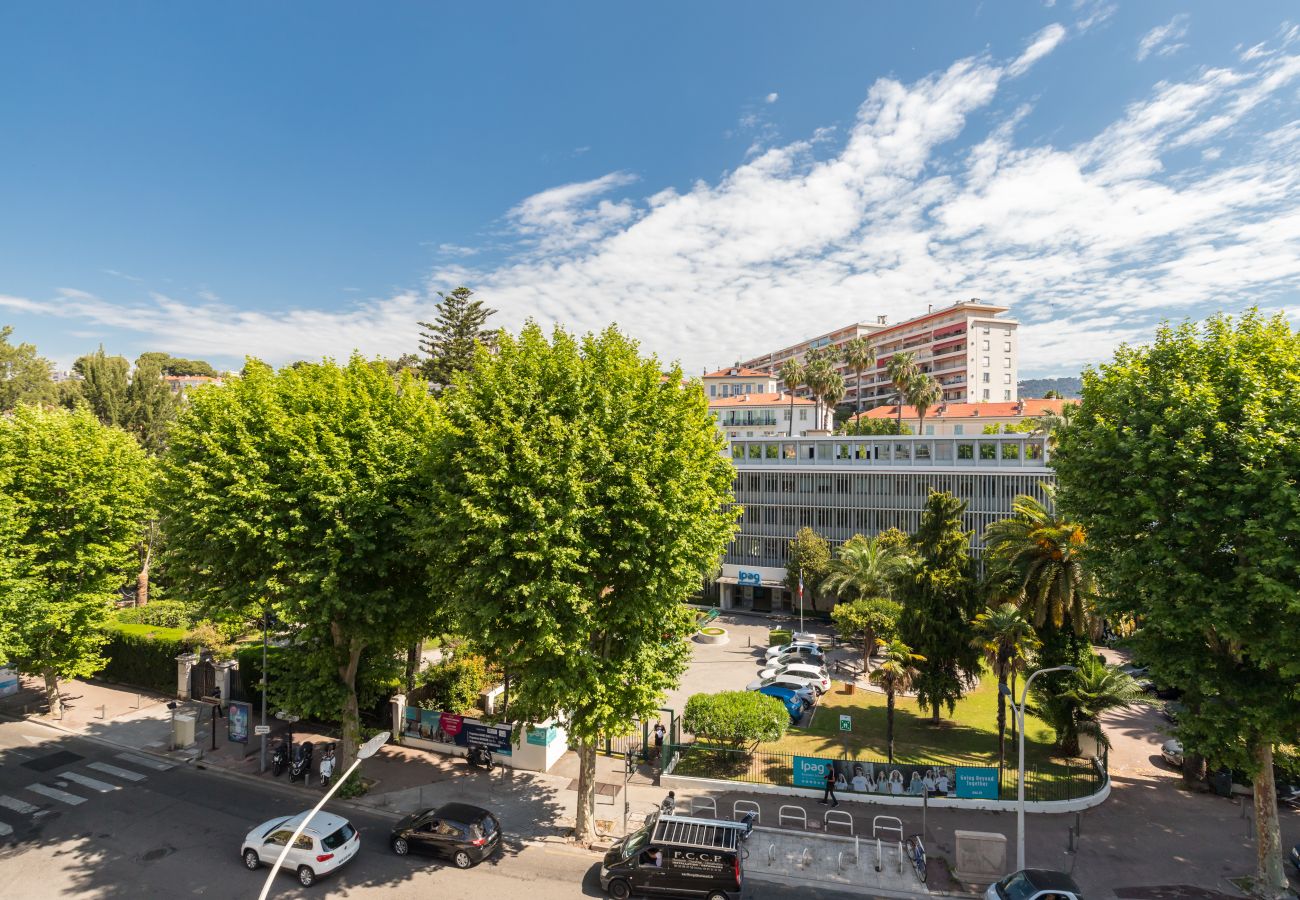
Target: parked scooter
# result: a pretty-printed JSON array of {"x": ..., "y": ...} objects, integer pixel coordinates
[
  {"x": 480, "y": 758},
  {"x": 280, "y": 758},
  {"x": 327, "y": 766},
  {"x": 301, "y": 765}
]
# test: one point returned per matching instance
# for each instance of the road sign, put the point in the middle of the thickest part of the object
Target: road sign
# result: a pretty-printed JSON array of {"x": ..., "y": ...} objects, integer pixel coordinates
[
  {"x": 261, "y": 729},
  {"x": 846, "y": 722}
]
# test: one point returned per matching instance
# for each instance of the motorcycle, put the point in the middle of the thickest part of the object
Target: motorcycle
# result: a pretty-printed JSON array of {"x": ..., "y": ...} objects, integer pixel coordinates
[
  {"x": 301, "y": 765},
  {"x": 279, "y": 758},
  {"x": 480, "y": 758},
  {"x": 327, "y": 766}
]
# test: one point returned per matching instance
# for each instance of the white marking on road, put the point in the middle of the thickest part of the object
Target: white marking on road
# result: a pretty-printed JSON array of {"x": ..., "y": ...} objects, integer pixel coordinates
[
  {"x": 56, "y": 794},
  {"x": 94, "y": 783},
  {"x": 114, "y": 770},
  {"x": 156, "y": 765},
  {"x": 5, "y": 830},
  {"x": 17, "y": 806}
]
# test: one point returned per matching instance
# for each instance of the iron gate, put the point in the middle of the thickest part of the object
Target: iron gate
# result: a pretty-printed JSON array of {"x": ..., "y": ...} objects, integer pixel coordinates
[
  {"x": 640, "y": 738},
  {"x": 203, "y": 680}
]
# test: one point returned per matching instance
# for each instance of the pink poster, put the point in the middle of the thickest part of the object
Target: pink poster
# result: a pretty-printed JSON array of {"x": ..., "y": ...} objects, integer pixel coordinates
[{"x": 450, "y": 724}]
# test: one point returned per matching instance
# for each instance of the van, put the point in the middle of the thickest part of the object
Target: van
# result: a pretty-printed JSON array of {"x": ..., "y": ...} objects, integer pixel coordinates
[{"x": 676, "y": 856}]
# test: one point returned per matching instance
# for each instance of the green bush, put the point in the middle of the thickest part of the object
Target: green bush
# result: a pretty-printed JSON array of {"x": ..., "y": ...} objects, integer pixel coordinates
[
  {"x": 452, "y": 686},
  {"x": 777, "y": 636},
  {"x": 166, "y": 613},
  {"x": 147, "y": 662},
  {"x": 736, "y": 718}
]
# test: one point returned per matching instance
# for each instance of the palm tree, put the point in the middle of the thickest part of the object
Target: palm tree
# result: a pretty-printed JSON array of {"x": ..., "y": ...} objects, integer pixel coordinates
[
  {"x": 922, "y": 393},
  {"x": 866, "y": 567},
  {"x": 792, "y": 376},
  {"x": 1007, "y": 639},
  {"x": 902, "y": 370},
  {"x": 895, "y": 673},
  {"x": 1052, "y": 424},
  {"x": 832, "y": 393},
  {"x": 817, "y": 373},
  {"x": 859, "y": 356},
  {"x": 1046, "y": 553},
  {"x": 1094, "y": 689}
]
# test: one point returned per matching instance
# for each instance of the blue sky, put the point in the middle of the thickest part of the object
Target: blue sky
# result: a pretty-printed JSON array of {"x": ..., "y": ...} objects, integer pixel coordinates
[{"x": 292, "y": 181}]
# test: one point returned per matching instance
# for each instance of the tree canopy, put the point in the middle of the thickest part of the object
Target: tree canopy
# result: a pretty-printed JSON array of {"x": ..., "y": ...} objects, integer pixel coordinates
[
  {"x": 25, "y": 377},
  {"x": 104, "y": 382},
  {"x": 810, "y": 554},
  {"x": 450, "y": 340}
]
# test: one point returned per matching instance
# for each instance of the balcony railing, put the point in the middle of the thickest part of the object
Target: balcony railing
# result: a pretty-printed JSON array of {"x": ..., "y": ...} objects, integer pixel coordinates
[{"x": 987, "y": 451}]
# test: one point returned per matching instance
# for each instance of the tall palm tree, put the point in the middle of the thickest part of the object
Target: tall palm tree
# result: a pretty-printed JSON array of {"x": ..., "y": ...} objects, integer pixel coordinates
[
  {"x": 866, "y": 567},
  {"x": 1046, "y": 553},
  {"x": 1007, "y": 639},
  {"x": 1076, "y": 708},
  {"x": 1052, "y": 424},
  {"x": 922, "y": 393},
  {"x": 859, "y": 355},
  {"x": 832, "y": 393},
  {"x": 817, "y": 372},
  {"x": 895, "y": 672},
  {"x": 902, "y": 370},
  {"x": 792, "y": 376}
]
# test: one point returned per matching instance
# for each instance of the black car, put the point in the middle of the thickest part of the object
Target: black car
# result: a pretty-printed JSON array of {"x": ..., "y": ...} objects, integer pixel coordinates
[{"x": 462, "y": 833}]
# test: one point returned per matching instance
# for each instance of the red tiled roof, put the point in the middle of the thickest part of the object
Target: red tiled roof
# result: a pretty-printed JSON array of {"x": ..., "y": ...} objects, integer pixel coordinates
[
  {"x": 1000, "y": 410},
  {"x": 739, "y": 372},
  {"x": 758, "y": 400}
]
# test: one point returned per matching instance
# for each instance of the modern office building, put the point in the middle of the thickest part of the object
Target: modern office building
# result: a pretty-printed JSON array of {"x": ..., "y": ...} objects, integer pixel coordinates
[
  {"x": 842, "y": 486},
  {"x": 958, "y": 419},
  {"x": 968, "y": 347}
]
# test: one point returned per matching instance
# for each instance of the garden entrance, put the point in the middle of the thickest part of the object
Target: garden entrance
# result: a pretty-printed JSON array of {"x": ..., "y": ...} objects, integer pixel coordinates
[{"x": 640, "y": 738}]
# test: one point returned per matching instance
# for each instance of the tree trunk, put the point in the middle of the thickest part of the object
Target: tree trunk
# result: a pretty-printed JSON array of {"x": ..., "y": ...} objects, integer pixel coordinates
[
  {"x": 52, "y": 695},
  {"x": 791, "y": 412},
  {"x": 142, "y": 579},
  {"x": 858, "y": 417},
  {"x": 889, "y": 724},
  {"x": 413, "y": 655},
  {"x": 1002, "y": 724},
  {"x": 934, "y": 715},
  {"x": 1270, "y": 880},
  {"x": 351, "y": 711},
  {"x": 1194, "y": 772},
  {"x": 1014, "y": 730},
  {"x": 584, "y": 829}
]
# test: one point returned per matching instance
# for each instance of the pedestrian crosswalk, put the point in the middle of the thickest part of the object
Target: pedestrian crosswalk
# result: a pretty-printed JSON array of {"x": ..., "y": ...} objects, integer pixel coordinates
[{"x": 71, "y": 787}]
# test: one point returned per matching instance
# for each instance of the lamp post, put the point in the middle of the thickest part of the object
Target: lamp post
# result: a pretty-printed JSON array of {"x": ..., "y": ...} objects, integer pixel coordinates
[
  {"x": 365, "y": 751},
  {"x": 266, "y": 624},
  {"x": 1019, "y": 710}
]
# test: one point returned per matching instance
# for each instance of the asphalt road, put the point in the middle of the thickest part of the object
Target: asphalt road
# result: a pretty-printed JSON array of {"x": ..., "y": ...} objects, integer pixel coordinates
[{"x": 82, "y": 819}]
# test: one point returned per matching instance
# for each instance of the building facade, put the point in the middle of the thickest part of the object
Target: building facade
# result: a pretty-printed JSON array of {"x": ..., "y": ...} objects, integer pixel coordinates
[
  {"x": 969, "y": 347},
  {"x": 842, "y": 486},
  {"x": 962, "y": 419}
]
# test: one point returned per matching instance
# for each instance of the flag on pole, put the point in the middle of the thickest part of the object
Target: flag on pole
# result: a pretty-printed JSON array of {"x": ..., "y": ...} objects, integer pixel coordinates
[{"x": 801, "y": 588}]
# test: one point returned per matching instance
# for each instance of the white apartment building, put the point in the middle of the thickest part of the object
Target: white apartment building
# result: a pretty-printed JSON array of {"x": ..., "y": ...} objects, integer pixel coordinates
[
  {"x": 747, "y": 404},
  {"x": 968, "y": 347}
]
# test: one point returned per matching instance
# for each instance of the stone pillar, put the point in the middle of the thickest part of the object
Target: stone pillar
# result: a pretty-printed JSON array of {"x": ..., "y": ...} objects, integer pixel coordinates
[
  {"x": 185, "y": 664},
  {"x": 724, "y": 595},
  {"x": 398, "y": 706},
  {"x": 223, "y": 679}
]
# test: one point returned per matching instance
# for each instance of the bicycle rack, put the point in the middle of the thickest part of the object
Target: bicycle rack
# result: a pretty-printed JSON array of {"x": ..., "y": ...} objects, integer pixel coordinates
[
  {"x": 887, "y": 823},
  {"x": 845, "y": 819},
  {"x": 699, "y": 803},
  {"x": 878, "y": 848},
  {"x": 796, "y": 814},
  {"x": 902, "y": 855},
  {"x": 750, "y": 806},
  {"x": 771, "y": 854},
  {"x": 805, "y": 858}
]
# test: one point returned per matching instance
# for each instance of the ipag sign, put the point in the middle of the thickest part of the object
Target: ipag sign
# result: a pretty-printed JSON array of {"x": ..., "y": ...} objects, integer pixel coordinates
[
  {"x": 754, "y": 578},
  {"x": 810, "y": 771}
]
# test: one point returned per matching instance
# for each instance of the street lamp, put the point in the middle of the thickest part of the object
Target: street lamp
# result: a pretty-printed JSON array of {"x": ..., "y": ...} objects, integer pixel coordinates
[
  {"x": 1019, "y": 710},
  {"x": 365, "y": 751}
]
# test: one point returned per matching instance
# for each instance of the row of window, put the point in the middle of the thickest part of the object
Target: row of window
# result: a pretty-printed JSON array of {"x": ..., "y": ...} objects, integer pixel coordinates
[{"x": 1006, "y": 345}]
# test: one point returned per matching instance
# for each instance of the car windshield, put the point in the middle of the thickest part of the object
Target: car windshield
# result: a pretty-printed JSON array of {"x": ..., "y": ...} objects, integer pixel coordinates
[
  {"x": 635, "y": 841},
  {"x": 1016, "y": 887},
  {"x": 339, "y": 838},
  {"x": 274, "y": 825}
]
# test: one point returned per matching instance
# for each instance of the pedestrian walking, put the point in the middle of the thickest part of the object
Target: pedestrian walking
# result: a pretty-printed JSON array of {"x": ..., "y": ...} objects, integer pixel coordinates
[
  {"x": 829, "y": 795},
  {"x": 660, "y": 731}
]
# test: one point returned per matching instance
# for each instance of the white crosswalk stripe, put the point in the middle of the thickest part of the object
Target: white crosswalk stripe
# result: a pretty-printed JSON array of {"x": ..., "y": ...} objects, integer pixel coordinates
[
  {"x": 93, "y": 783},
  {"x": 155, "y": 764},
  {"x": 5, "y": 830},
  {"x": 114, "y": 770},
  {"x": 55, "y": 794},
  {"x": 17, "y": 806}
]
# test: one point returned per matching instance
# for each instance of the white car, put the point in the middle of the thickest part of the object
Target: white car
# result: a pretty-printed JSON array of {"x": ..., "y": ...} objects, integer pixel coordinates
[
  {"x": 325, "y": 844},
  {"x": 789, "y": 680},
  {"x": 816, "y": 675},
  {"x": 805, "y": 647},
  {"x": 1034, "y": 884}
]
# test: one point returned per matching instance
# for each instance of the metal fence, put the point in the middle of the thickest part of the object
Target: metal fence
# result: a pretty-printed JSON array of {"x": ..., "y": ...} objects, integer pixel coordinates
[
  {"x": 1068, "y": 780},
  {"x": 640, "y": 739}
]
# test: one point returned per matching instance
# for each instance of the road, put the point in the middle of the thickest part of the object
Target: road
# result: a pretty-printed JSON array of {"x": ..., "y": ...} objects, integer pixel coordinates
[{"x": 82, "y": 819}]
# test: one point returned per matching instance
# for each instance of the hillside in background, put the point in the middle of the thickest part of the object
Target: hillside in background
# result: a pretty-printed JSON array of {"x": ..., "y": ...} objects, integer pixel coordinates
[{"x": 1069, "y": 386}]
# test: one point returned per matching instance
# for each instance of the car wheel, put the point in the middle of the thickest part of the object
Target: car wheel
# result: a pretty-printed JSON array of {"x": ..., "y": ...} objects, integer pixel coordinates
[
  {"x": 306, "y": 877},
  {"x": 619, "y": 890},
  {"x": 251, "y": 860},
  {"x": 400, "y": 847},
  {"x": 718, "y": 895},
  {"x": 462, "y": 859}
]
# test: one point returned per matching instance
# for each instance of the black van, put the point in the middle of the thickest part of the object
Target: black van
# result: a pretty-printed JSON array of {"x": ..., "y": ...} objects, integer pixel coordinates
[{"x": 676, "y": 856}]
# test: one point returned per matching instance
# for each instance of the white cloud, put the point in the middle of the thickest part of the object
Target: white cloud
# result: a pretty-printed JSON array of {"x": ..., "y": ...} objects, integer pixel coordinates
[
  {"x": 772, "y": 97},
  {"x": 1042, "y": 44},
  {"x": 1163, "y": 39}
]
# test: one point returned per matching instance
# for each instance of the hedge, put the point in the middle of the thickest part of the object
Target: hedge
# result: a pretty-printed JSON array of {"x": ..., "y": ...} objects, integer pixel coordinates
[{"x": 147, "y": 662}]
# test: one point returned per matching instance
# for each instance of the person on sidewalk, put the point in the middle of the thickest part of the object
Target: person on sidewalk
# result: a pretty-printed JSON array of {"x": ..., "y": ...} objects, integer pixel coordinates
[
  {"x": 660, "y": 731},
  {"x": 829, "y": 795}
]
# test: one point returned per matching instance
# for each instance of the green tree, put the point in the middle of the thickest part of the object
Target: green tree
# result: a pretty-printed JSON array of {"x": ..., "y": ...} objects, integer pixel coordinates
[
  {"x": 902, "y": 370},
  {"x": 922, "y": 393},
  {"x": 1046, "y": 551},
  {"x": 25, "y": 377},
  {"x": 866, "y": 567},
  {"x": 833, "y": 390},
  {"x": 735, "y": 718},
  {"x": 894, "y": 540},
  {"x": 1075, "y": 707},
  {"x": 150, "y": 406},
  {"x": 791, "y": 375},
  {"x": 1006, "y": 639},
  {"x": 104, "y": 382},
  {"x": 172, "y": 365},
  {"x": 576, "y": 499},
  {"x": 938, "y": 605},
  {"x": 77, "y": 492},
  {"x": 809, "y": 556},
  {"x": 296, "y": 488},
  {"x": 867, "y": 426},
  {"x": 859, "y": 356},
  {"x": 449, "y": 341},
  {"x": 896, "y": 673},
  {"x": 867, "y": 619},
  {"x": 1181, "y": 463}
]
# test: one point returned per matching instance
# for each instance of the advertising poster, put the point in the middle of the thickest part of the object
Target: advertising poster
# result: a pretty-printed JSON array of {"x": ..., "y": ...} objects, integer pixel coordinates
[
  {"x": 977, "y": 783},
  {"x": 855, "y": 777},
  {"x": 494, "y": 737},
  {"x": 238, "y": 715},
  {"x": 810, "y": 771},
  {"x": 448, "y": 728},
  {"x": 8, "y": 682},
  {"x": 543, "y": 736}
]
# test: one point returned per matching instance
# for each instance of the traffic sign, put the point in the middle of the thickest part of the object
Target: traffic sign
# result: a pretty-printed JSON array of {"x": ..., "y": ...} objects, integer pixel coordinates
[
  {"x": 261, "y": 729},
  {"x": 846, "y": 722}
]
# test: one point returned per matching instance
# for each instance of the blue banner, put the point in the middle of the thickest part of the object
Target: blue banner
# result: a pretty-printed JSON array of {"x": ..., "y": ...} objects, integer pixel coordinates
[
  {"x": 977, "y": 783},
  {"x": 810, "y": 771}
]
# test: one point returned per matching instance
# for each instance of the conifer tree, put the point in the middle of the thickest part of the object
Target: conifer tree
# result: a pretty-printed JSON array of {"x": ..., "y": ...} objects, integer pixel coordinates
[{"x": 449, "y": 340}]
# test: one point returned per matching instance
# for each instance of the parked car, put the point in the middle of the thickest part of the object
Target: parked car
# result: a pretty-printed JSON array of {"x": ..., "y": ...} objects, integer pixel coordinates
[
  {"x": 1172, "y": 710},
  {"x": 801, "y": 654},
  {"x": 1172, "y": 751},
  {"x": 677, "y": 856},
  {"x": 808, "y": 647},
  {"x": 794, "y": 704},
  {"x": 816, "y": 675},
  {"x": 804, "y": 686},
  {"x": 325, "y": 844},
  {"x": 1034, "y": 884},
  {"x": 457, "y": 831}
]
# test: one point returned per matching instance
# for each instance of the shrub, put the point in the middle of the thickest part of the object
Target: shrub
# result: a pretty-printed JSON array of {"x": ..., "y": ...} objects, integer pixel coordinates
[
  {"x": 452, "y": 686},
  {"x": 164, "y": 613},
  {"x": 736, "y": 718},
  {"x": 147, "y": 662},
  {"x": 778, "y": 636},
  {"x": 212, "y": 638}
]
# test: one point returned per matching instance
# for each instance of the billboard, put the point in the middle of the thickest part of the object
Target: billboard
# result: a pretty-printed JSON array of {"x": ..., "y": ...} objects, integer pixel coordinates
[
  {"x": 238, "y": 715},
  {"x": 897, "y": 779},
  {"x": 448, "y": 728}
]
